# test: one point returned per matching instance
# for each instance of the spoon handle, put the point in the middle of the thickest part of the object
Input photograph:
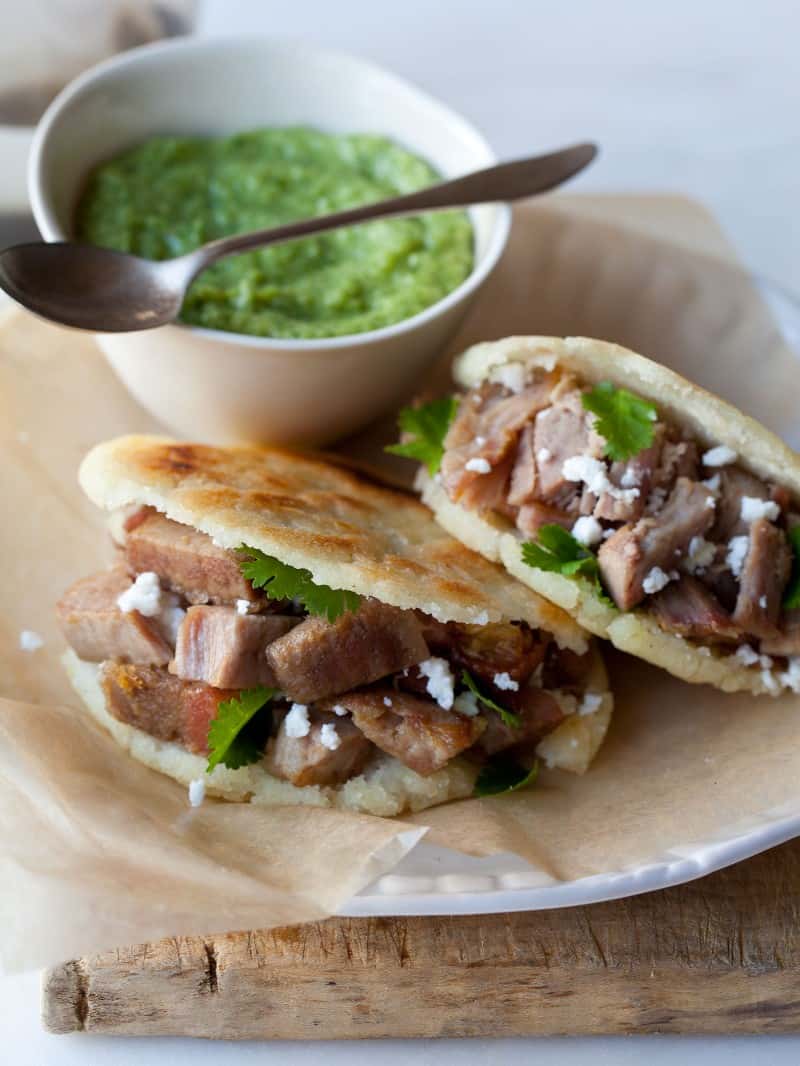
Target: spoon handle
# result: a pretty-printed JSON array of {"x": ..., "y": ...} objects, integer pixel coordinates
[{"x": 508, "y": 181}]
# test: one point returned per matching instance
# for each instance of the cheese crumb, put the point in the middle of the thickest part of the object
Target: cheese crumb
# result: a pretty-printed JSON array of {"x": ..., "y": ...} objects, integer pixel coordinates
[
  {"x": 197, "y": 791},
  {"x": 701, "y": 554},
  {"x": 590, "y": 703},
  {"x": 722, "y": 455},
  {"x": 512, "y": 375},
  {"x": 737, "y": 552},
  {"x": 505, "y": 682},
  {"x": 328, "y": 737},
  {"x": 296, "y": 722},
  {"x": 30, "y": 641},
  {"x": 479, "y": 441},
  {"x": 790, "y": 678},
  {"x": 747, "y": 655},
  {"x": 478, "y": 466},
  {"x": 143, "y": 596},
  {"x": 712, "y": 483},
  {"x": 543, "y": 455},
  {"x": 629, "y": 479},
  {"x": 753, "y": 508},
  {"x": 587, "y": 530},
  {"x": 762, "y": 602},
  {"x": 466, "y": 704},
  {"x": 656, "y": 580},
  {"x": 711, "y": 502},
  {"x": 387, "y": 702},
  {"x": 594, "y": 475},
  {"x": 440, "y": 680},
  {"x": 242, "y": 606},
  {"x": 339, "y": 710}
]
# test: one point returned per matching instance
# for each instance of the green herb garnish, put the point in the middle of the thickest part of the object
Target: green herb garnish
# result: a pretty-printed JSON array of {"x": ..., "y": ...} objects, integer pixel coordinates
[
  {"x": 791, "y": 597},
  {"x": 234, "y": 738},
  {"x": 427, "y": 426},
  {"x": 624, "y": 420},
  {"x": 558, "y": 552},
  {"x": 283, "y": 582},
  {"x": 510, "y": 719},
  {"x": 504, "y": 775}
]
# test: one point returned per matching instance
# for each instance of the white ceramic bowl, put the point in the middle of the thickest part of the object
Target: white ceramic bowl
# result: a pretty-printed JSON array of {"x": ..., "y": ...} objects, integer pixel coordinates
[{"x": 223, "y": 386}]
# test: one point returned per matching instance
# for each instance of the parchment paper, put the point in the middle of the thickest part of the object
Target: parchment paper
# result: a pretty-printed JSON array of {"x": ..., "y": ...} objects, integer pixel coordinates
[{"x": 98, "y": 851}]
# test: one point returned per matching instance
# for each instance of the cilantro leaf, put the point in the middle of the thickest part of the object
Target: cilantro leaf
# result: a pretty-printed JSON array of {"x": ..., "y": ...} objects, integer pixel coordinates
[
  {"x": 504, "y": 775},
  {"x": 234, "y": 739},
  {"x": 283, "y": 582},
  {"x": 510, "y": 719},
  {"x": 427, "y": 426},
  {"x": 626, "y": 421},
  {"x": 791, "y": 597},
  {"x": 558, "y": 552}
]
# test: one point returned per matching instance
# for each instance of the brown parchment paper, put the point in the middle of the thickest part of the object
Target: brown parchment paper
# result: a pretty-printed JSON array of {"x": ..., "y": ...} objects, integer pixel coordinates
[{"x": 98, "y": 851}]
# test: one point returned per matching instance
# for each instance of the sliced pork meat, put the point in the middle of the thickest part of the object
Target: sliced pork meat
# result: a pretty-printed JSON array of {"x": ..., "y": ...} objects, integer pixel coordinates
[
  {"x": 676, "y": 458},
  {"x": 638, "y": 472},
  {"x": 489, "y": 650},
  {"x": 561, "y": 432},
  {"x": 523, "y": 473},
  {"x": 96, "y": 629},
  {"x": 734, "y": 484},
  {"x": 785, "y": 641},
  {"x": 186, "y": 560},
  {"x": 319, "y": 658},
  {"x": 566, "y": 669},
  {"x": 765, "y": 571},
  {"x": 532, "y": 516},
  {"x": 227, "y": 649},
  {"x": 332, "y": 751},
  {"x": 416, "y": 731},
  {"x": 690, "y": 609},
  {"x": 539, "y": 715},
  {"x": 157, "y": 702},
  {"x": 486, "y": 429},
  {"x": 654, "y": 543}
]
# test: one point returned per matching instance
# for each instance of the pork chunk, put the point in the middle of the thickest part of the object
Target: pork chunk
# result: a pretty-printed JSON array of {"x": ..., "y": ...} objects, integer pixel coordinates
[
  {"x": 307, "y": 761},
  {"x": 158, "y": 703},
  {"x": 560, "y": 432},
  {"x": 628, "y": 556},
  {"x": 319, "y": 658},
  {"x": 637, "y": 472},
  {"x": 532, "y": 516},
  {"x": 227, "y": 649},
  {"x": 690, "y": 609},
  {"x": 786, "y": 641},
  {"x": 416, "y": 731},
  {"x": 761, "y": 583},
  {"x": 539, "y": 715},
  {"x": 186, "y": 560},
  {"x": 488, "y": 650},
  {"x": 734, "y": 483},
  {"x": 96, "y": 629}
]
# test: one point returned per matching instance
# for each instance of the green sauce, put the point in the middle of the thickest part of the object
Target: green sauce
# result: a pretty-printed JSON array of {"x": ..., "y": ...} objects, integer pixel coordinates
[{"x": 170, "y": 194}]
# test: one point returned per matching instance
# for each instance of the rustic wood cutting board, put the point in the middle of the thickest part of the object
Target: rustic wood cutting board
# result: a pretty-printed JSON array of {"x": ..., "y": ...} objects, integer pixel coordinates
[{"x": 719, "y": 955}]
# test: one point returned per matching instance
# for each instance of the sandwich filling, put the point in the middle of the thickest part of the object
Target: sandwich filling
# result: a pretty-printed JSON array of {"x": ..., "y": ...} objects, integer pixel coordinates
[
  {"x": 601, "y": 486},
  {"x": 191, "y": 646}
]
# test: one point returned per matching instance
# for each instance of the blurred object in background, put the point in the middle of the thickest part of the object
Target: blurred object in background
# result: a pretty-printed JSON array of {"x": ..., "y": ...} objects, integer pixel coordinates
[{"x": 45, "y": 43}]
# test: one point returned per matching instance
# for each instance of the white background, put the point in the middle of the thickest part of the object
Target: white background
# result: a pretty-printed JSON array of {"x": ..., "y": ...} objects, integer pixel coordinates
[{"x": 700, "y": 97}]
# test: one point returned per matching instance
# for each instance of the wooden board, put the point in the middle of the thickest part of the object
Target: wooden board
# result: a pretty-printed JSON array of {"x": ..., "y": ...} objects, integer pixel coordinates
[{"x": 719, "y": 955}]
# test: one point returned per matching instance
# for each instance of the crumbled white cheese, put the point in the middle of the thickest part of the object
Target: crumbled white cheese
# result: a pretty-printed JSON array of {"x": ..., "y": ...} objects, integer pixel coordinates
[
  {"x": 543, "y": 455},
  {"x": 590, "y": 703},
  {"x": 737, "y": 553},
  {"x": 722, "y": 455},
  {"x": 701, "y": 554},
  {"x": 328, "y": 737},
  {"x": 478, "y": 466},
  {"x": 712, "y": 483},
  {"x": 242, "y": 606},
  {"x": 387, "y": 701},
  {"x": 587, "y": 530},
  {"x": 339, "y": 710},
  {"x": 505, "y": 682},
  {"x": 144, "y": 595},
  {"x": 440, "y": 680},
  {"x": 770, "y": 681},
  {"x": 593, "y": 473},
  {"x": 711, "y": 502},
  {"x": 747, "y": 655},
  {"x": 466, "y": 704},
  {"x": 629, "y": 479},
  {"x": 655, "y": 501},
  {"x": 30, "y": 641},
  {"x": 762, "y": 602},
  {"x": 512, "y": 375},
  {"x": 197, "y": 791},
  {"x": 479, "y": 441},
  {"x": 753, "y": 508},
  {"x": 790, "y": 678},
  {"x": 296, "y": 721},
  {"x": 656, "y": 580}
]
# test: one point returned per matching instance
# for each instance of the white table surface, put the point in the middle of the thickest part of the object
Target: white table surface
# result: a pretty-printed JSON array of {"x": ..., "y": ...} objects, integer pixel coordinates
[{"x": 695, "y": 96}]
